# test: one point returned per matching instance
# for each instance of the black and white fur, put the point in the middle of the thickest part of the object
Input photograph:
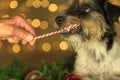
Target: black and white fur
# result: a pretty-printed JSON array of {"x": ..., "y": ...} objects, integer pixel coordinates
[{"x": 98, "y": 52}]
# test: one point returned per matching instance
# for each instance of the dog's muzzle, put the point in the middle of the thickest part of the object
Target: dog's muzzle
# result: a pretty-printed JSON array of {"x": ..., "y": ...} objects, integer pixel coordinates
[{"x": 60, "y": 20}]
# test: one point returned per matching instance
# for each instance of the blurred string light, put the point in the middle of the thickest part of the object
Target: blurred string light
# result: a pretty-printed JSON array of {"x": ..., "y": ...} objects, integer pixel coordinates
[
  {"x": 29, "y": 3},
  {"x": 36, "y": 23},
  {"x": 5, "y": 16},
  {"x": 44, "y": 25},
  {"x": 13, "y": 4},
  {"x": 63, "y": 45},
  {"x": 16, "y": 48},
  {"x": 52, "y": 7},
  {"x": 61, "y": 7},
  {"x": 45, "y": 3},
  {"x": 42, "y": 3},
  {"x": 23, "y": 15},
  {"x": 29, "y": 20},
  {"x": 36, "y": 3},
  {"x": 31, "y": 48},
  {"x": 46, "y": 47}
]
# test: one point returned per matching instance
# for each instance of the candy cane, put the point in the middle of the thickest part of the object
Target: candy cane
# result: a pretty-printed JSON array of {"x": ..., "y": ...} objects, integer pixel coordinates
[{"x": 66, "y": 29}]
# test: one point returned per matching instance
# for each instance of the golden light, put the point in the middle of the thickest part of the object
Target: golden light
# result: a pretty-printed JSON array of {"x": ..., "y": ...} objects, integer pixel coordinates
[
  {"x": 46, "y": 47},
  {"x": 63, "y": 45},
  {"x": 36, "y": 23},
  {"x": 52, "y": 7},
  {"x": 29, "y": 3},
  {"x": 6, "y": 16},
  {"x": 31, "y": 48},
  {"x": 44, "y": 25},
  {"x": 13, "y": 4},
  {"x": 1, "y": 44},
  {"x": 29, "y": 20},
  {"x": 61, "y": 7},
  {"x": 16, "y": 48},
  {"x": 45, "y": 3},
  {"x": 36, "y": 3},
  {"x": 23, "y": 15}
]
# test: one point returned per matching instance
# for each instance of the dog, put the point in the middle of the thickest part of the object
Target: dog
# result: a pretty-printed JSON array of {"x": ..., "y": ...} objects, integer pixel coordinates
[{"x": 98, "y": 50}]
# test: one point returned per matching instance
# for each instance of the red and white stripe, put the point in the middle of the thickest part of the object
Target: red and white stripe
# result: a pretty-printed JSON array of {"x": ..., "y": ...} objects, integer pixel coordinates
[{"x": 66, "y": 29}]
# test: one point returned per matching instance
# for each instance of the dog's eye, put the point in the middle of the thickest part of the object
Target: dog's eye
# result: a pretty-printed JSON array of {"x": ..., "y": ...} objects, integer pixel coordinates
[{"x": 85, "y": 9}]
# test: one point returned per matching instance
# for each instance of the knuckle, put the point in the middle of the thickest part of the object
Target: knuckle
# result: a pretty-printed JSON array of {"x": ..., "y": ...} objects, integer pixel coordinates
[{"x": 11, "y": 31}]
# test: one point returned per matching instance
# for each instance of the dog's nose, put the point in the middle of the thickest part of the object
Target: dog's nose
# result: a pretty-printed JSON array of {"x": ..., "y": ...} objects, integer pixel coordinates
[{"x": 60, "y": 19}]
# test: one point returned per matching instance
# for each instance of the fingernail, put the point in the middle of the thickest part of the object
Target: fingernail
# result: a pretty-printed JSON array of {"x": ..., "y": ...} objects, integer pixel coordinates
[{"x": 29, "y": 37}]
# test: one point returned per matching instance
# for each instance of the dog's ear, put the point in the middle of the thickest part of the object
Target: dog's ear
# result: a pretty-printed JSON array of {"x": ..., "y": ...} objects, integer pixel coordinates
[
  {"x": 111, "y": 11},
  {"x": 101, "y": 1}
]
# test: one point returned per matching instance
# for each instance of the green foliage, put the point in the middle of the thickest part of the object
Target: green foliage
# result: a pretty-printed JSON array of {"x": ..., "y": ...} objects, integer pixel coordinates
[
  {"x": 55, "y": 71},
  {"x": 12, "y": 71}
]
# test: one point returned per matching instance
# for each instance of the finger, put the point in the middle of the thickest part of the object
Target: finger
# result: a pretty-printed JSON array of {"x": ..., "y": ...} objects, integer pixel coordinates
[
  {"x": 2, "y": 38},
  {"x": 23, "y": 24},
  {"x": 22, "y": 34},
  {"x": 32, "y": 42},
  {"x": 24, "y": 42},
  {"x": 11, "y": 40}
]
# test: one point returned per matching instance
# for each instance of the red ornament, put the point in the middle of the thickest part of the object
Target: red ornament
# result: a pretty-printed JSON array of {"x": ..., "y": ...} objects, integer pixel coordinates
[
  {"x": 73, "y": 76},
  {"x": 42, "y": 79}
]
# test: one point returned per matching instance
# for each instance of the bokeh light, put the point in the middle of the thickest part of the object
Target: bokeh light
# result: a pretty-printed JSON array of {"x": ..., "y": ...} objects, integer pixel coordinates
[
  {"x": 23, "y": 15},
  {"x": 13, "y": 4},
  {"x": 63, "y": 45},
  {"x": 61, "y": 7},
  {"x": 52, "y": 7},
  {"x": 29, "y": 3},
  {"x": 6, "y": 16},
  {"x": 36, "y": 3},
  {"x": 16, "y": 48},
  {"x": 31, "y": 48},
  {"x": 36, "y": 23},
  {"x": 44, "y": 25},
  {"x": 46, "y": 47},
  {"x": 29, "y": 20},
  {"x": 45, "y": 3}
]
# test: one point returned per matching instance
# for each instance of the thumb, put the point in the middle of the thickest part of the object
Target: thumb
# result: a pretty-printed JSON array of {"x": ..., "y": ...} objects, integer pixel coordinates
[{"x": 23, "y": 34}]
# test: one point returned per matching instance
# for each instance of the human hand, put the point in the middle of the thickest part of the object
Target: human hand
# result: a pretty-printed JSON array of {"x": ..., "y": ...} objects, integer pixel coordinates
[{"x": 16, "y": 29}]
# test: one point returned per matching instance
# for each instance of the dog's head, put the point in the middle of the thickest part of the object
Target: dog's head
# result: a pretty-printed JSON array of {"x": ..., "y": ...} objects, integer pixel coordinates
[{"x": 96, "y": 19}]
